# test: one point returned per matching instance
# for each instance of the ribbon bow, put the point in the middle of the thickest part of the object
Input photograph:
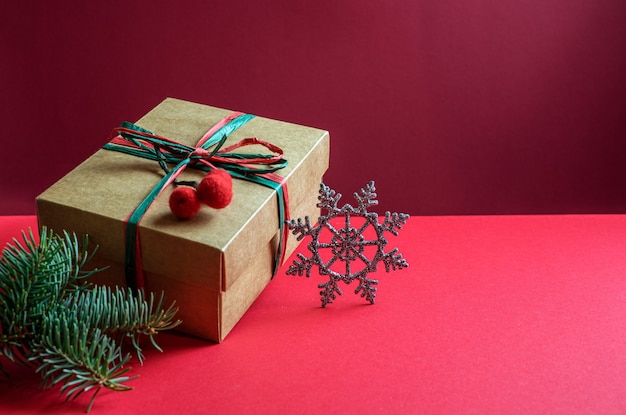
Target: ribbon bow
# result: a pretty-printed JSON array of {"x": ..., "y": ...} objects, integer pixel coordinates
[{"x": 257, "y": 168}]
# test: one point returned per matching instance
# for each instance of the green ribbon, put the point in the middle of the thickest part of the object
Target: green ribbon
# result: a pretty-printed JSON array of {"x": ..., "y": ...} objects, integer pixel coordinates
[{"x": 140, "y": 142}]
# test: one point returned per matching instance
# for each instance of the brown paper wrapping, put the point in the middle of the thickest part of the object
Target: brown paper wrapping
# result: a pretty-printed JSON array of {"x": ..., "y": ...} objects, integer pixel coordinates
[{"x": 214, "y": 265}]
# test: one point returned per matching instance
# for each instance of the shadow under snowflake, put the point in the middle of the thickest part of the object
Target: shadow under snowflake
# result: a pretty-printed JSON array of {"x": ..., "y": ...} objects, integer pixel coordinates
[{"x": 347, "y": 250}]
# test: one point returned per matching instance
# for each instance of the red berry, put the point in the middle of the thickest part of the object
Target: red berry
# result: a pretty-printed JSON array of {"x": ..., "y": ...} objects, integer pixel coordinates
[
  {"x": 216, "y": 189},
  {"x": 184, "y": 202}
]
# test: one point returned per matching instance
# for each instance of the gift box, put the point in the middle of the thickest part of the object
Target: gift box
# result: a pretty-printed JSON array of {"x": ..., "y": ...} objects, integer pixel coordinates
[{"x": 215, "y": 264}]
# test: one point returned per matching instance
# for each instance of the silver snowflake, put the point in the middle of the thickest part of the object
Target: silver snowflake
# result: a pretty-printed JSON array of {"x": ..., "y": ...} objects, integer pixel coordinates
[{"x": 350, "y": 251}]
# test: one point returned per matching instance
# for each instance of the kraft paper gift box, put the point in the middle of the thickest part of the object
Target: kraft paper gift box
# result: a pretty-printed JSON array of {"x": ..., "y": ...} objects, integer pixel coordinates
[{"x": 215, "y": 264}]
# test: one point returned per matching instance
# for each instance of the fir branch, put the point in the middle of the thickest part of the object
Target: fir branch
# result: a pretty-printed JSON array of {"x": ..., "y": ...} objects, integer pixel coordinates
[
  {"x": 13, "y": 347},
  {"x": 79, "y": 358},
  {"x": 34, "y": 276},
  {"x": 122, "y": 313},
  {"x": 53, "y": 318}
]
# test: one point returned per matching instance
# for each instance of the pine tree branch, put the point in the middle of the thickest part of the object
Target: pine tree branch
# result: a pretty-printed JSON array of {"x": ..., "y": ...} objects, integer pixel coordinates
[
  {"x": 122, "y": 313},
  {"x": 34, "y": 276},
  {"x": 52, "y": 317},
  {"x": 79, "y": 359}
]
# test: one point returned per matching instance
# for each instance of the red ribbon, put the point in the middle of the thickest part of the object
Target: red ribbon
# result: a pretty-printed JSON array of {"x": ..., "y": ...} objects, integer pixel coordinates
[{"x": 251, "y": 167}]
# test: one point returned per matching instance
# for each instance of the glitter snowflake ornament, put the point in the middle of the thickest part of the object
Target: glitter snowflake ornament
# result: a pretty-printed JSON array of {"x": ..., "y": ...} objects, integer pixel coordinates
[{"x": 348, "y": 243}]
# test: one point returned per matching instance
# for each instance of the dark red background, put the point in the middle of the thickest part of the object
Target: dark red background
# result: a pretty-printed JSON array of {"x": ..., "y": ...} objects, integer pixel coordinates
[{"x": 452, "y": 107}]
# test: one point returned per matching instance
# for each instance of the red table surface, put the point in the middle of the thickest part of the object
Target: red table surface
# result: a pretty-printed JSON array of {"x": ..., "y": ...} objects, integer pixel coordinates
[{"x": 496, "y": 314}]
